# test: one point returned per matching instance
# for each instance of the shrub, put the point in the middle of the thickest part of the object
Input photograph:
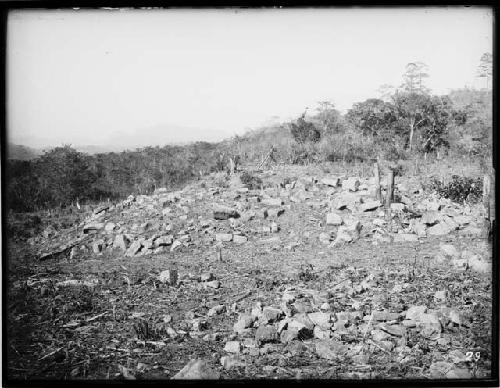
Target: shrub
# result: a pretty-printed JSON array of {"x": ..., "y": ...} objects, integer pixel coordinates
[
  {"x": 304, "y": 132},
  {"x": 250, "y": 181},
  {"x": 460, "y": 189},
  {"x": 221, "y": 180}
]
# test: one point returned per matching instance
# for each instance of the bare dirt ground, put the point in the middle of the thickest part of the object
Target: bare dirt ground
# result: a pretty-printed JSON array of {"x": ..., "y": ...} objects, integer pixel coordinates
[{"x": 314, "y": 304}]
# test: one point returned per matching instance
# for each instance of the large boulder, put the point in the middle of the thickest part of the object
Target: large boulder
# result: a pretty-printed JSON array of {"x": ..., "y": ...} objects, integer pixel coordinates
[
  {"x": 222, "y": 212},
  {"x": 351, "y": 184},
  {"x": 348, "y": 233},
  {"x": 332, "y": 182},
  {"x": 197, "y": 370},
  {"x": 333, "y": 219}
]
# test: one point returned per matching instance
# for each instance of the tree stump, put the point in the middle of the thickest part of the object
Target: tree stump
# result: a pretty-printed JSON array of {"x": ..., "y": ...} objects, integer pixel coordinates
[
  {"x": 376, "y": 173},
  {"x": 389, "y": 194}
]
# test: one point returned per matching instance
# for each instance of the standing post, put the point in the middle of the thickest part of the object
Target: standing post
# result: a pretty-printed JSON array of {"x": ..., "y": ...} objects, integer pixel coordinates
[
  {"x": 486, "y": 196},
  {"x": 390, "y": 193},
  {"x": 218, "y": 248},
  {"x": 376, "y": 173}
]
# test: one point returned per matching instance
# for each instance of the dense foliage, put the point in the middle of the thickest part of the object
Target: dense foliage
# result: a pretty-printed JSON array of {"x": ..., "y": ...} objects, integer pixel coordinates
[
  {"x": 459, "y": 189},
  {"x": 63, "y": 175}
]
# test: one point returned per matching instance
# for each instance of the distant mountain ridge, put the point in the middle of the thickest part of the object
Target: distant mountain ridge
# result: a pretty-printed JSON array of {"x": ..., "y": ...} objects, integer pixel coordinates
[
  {"x": 157, "y": 135},
  {"x": 21, "y": 152}
]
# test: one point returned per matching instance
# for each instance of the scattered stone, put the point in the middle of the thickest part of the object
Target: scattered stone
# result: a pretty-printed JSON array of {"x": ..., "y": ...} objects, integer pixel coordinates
[
  {"x": 457, "y": 356},
  {"x": 472, "y": 231},
  {"x": 272, "y": 201},
  {"x": 382, "y": 316},
  {"x": 244, "y": 322},
  {"x": 414, "y": 312},
  {"x": 440, "y": 296},
  {"x": 303, "y": 331},
  {"x": 397, "y": 207},
  {"x": 224, "y": 212},
  {"x": 176, "y": 244},
  {"x": 233, "y": 347},
  {"x": 449, "y": 250},
  {"x": 350, "y": 184},
  {"x": 164, "y": 241},
  {"x": 197, "y": 370},
  {"x": 332, "y": 182},
  {"x": 275, "y": 212},
  {"x": 300, "y": 320},
  {"x": 440, "y": 229},
  {"x": 394, "y": 330},
  {"x": 97, "y": 246},
  {"x": 93, "y": 227},
  {"x": 134, "y": 248},
  {"x": 320, "y": 333},
  {"x": 270, "y": 314},
  {"x": 223, "y": 237},
  {"x": 405, "y": 237},
  {"x": 418, "y": 227},
  {"x": 478, "y": 264},
  {"x": 199, "y": 324},
  {"x": 169, "y": 276},
  {"x": 216, "y": 310},
  {"x": 238, "y": 239},
  {"x": 231, "y": 362},
  {"x": 348, "y": 233},
  {"x": 265, "y": 334},
  {"x": 322, "y": 320},
  {"x": 207, "y": 276},
  {"x": 429, "y": 324},
  {"x": 289, "y": 335},
  {"x": 446, "y": 370},
  {"x": 110, "y": 226},
  {"x": 379, "y": 335},
  {"x": 330, "y": 349},
  {"x": 325, "y": 238},
  {"x": 256, "y": 310},
  {"x": 303, "y": 306},
  {"x": 463, "y": 220},
  {"x": 430, "y": 218},
  {"x": 213, "y": 284},
  {"x": 333, "y": 219},
  {"x": 370, "y": 205}
]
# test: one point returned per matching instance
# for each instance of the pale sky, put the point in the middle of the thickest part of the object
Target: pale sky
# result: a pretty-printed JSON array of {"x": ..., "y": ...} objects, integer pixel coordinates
[{"x": 147, "y": 77}]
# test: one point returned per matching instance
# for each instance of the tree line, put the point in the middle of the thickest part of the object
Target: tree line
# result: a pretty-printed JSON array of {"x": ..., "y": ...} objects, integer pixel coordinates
[
  {"x": 401, "y": 123},
  {"x": 64, "y": 176}
]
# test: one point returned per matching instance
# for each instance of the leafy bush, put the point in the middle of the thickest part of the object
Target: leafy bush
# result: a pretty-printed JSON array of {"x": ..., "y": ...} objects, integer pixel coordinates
[
  {"x": 304, "y": 132},
  {"x": 221, "y": 180},
  {"x": 460, "y": 189},
  {"x": 250, "y": 181},
  {"x": 303, "y": 154}
]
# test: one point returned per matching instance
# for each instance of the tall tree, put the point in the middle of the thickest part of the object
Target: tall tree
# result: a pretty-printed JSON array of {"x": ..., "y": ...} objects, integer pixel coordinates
[
  {"x": 411, "y": 108},
  {"x": 485, "y": 69},
  {"x": 372, "y": 116},
  {"x": 414, "y": 78},
  {"x": 386, "y": 91},
  {"x": 329, "y": 117}
]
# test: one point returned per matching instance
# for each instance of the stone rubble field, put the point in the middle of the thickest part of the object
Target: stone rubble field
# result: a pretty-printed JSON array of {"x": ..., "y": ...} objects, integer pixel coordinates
[{"x": 305, "y": 277}]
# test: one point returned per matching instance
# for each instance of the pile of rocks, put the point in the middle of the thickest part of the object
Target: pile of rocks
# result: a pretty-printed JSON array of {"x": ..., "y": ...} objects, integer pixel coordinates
[{"x": 168, "y": 221}]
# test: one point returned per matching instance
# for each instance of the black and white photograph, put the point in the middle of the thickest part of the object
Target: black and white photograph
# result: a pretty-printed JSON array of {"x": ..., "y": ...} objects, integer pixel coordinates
[{"x": 247, "y": 194}]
